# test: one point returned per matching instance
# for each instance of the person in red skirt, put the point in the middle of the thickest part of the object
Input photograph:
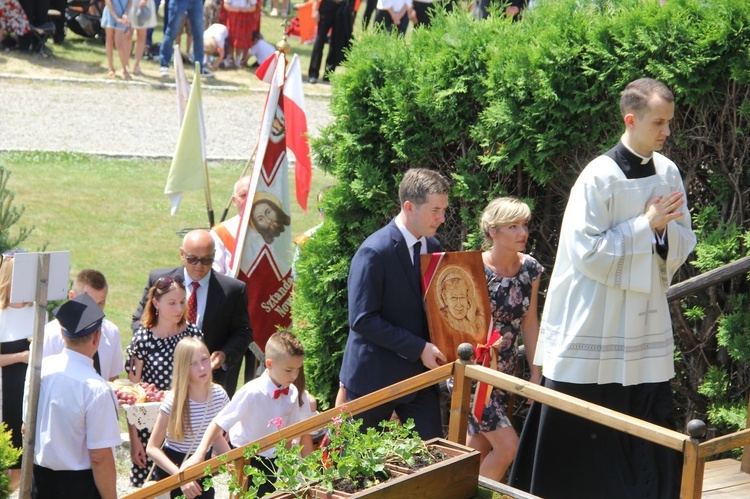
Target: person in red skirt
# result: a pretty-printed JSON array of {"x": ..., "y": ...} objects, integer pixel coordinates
[{"x": 243, "y": 19}]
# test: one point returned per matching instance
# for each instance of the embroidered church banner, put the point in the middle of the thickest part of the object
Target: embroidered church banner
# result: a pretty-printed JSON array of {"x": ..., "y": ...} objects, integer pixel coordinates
[
  {"x": 263, "y": 256},
  {"x": 456, "y": 300}
]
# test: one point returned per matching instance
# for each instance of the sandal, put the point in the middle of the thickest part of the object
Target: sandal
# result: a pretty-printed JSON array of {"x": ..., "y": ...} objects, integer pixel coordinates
[
  {"x": 125, "y": 75},
  {"x": 111, "y": 73},
  {"x": 137, "y": 71}
]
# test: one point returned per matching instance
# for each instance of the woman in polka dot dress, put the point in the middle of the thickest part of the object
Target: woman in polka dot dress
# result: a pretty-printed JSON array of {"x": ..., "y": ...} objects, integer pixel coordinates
[{"x": 151, "y": 353}]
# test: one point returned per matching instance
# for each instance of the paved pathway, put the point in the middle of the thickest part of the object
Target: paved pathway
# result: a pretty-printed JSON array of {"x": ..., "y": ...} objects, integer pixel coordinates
[{"x": 121, "y": 119}]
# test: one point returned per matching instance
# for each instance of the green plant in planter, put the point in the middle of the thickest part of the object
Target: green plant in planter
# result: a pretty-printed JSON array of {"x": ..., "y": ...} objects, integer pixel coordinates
[
  {"x": 350, "y": 455},
  {"x": 8, "y": 457}
]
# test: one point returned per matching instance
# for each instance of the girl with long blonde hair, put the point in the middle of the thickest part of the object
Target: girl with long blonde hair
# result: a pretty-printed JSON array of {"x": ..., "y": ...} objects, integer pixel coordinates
[{"x": 185, "y": 414}]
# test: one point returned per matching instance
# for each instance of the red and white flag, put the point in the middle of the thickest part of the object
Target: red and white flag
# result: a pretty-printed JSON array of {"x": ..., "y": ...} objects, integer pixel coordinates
[
  {"x": 296, "y": 131},
  {"x": 263, "y": 255}
]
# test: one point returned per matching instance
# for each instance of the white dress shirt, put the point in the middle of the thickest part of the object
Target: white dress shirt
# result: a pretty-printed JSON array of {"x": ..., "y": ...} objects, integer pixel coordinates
[
  {"x": 202, "y": 295},
  {"x": 248, "y": 415},
  {"x": 77, "y": 413},
  {"x": 411, "y": 240}
]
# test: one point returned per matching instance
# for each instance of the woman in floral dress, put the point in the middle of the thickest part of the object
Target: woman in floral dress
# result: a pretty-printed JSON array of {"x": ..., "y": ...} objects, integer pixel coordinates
[
  {"x": 13, "y": 19},
  {"x": 151, "y": 355},
  {"x": 513, "y": 282}
]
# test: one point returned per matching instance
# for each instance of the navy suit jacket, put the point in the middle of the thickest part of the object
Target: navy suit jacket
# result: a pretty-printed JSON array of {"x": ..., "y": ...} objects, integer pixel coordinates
[
  {"x": 388, "y": 325},
  {"x": 226, "y": 324}
]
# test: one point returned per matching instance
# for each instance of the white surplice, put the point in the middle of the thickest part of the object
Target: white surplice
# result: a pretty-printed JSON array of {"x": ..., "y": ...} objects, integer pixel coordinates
[{"x": 606, "y": 318}]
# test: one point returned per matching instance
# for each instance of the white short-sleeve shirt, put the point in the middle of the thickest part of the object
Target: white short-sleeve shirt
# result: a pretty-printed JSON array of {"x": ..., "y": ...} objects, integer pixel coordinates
[
  {"x": 249, "y": 414},
  {"x": 218, "y": 32},
  {"x": 77, "y": 413}
]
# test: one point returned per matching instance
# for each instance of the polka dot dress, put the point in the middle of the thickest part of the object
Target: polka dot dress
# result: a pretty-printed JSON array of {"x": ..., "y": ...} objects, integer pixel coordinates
[{"x": 157, "y": 355}]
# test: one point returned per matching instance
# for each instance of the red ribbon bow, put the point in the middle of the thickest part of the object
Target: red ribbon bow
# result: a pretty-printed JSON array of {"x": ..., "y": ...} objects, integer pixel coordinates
[
  {"x": 279, "y": 392},
  {"x": 484, "y": 354}
]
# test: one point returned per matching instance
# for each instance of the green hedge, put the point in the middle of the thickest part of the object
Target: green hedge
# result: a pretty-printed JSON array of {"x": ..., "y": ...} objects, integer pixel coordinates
[{"x": 520, "y": 108}]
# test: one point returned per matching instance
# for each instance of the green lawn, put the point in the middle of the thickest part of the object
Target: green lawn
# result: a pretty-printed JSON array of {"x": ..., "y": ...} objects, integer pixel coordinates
[{"x": 112, "y": 215}]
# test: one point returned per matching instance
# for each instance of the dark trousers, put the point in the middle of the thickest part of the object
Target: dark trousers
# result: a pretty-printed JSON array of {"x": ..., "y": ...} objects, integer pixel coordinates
[
  {"x": 178, "y": 458},
  {"x": 14, "y": 377},
  {"x": 383, "y": 18},
  {"x": 50, "y": 484},
  {"x": 59, "y": 5},
  {"x": 423, "y": 11},
  {"x": 233, "y": 373},
  {"x": 423, "y": 407},
  {"x": 268, "y": 466},
  {"x": 36, "y": 13},
  {"x": 336, "y": 17},
  {"x": 369, "y": 9}
]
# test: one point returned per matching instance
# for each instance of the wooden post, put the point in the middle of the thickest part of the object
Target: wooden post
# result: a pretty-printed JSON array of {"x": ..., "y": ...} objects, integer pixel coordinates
[
  {"x": 239, "y": 469},
  {"x": 692, "y": 464},
  {"x": 34, "y": 375},
  {"x": 745, "y": 466},
  {"x": 459, "y": 417}
]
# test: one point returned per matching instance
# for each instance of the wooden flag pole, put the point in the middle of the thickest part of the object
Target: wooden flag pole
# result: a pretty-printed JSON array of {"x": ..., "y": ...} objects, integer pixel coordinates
[
  {"x": 207, "y": 191},
  {"x": 35, "y": 374}
]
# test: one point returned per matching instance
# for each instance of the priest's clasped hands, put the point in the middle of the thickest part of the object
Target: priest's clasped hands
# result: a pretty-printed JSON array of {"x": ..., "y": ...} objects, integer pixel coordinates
[{"x": 664, "y": 209}]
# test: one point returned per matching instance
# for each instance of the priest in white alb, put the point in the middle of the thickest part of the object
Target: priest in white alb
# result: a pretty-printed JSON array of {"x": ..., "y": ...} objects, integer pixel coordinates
[{"x": 606, "y": 330}]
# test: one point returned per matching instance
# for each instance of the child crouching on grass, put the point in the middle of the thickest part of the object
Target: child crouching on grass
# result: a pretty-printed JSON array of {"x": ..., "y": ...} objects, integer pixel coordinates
[
  {"x": 185, "y": 414},
  {"x": 270, "y": 397}
]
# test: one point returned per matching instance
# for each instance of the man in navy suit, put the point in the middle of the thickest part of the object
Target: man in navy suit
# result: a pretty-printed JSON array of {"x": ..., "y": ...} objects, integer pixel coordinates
[
  {"x": 388, "y": 337},
  {"x": 220, "y": 303}
]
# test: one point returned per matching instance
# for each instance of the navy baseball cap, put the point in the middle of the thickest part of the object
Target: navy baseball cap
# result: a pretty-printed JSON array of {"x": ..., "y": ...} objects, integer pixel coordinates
[{"x": 80, "y": 316}]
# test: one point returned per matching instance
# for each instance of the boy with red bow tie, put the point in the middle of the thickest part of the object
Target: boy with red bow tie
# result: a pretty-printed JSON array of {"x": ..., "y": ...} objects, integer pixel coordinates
[{"x": 262, "y": 406}]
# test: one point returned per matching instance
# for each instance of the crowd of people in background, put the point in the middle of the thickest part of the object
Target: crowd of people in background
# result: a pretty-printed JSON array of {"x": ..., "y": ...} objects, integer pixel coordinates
[{"x": 221, "y": 34}]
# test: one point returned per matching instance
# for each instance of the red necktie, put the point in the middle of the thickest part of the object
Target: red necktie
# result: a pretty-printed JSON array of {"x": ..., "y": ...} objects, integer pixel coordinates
[
  {"x": 193, "y": 303},
  {"x": 281, "y": 391}
]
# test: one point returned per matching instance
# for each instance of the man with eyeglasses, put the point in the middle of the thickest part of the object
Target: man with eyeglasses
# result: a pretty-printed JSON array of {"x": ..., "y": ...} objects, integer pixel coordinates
[{"x": 217, "y": 304}]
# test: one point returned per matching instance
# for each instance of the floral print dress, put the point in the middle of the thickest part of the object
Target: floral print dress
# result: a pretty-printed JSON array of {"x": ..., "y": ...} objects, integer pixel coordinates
[
  {"x": 510, "y": 298},
  {"x": 12, "y": 18}
]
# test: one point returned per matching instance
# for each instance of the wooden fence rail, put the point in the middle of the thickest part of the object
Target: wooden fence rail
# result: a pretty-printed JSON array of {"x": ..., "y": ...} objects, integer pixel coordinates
[{"x": 694, "y": 452}]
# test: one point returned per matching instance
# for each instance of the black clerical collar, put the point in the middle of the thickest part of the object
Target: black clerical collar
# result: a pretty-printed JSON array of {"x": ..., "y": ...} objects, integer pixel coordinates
[
  {"x": 644, "y": 159},
  {"x": 631, "y": 164}
]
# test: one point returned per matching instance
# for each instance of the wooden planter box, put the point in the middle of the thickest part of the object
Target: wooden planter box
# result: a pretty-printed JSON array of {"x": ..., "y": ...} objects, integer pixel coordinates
[{"x": 454, "y": 478}]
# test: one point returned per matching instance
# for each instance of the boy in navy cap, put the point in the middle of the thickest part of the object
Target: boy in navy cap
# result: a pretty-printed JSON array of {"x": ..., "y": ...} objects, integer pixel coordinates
[{"x": 76, "y": 426}]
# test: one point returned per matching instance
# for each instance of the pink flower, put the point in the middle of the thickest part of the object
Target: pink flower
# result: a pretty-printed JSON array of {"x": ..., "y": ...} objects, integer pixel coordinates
[
  {"x": 230, "y": 467},
  {"x": 337, "y": 420},
  {"x": 277, "y": 422}
]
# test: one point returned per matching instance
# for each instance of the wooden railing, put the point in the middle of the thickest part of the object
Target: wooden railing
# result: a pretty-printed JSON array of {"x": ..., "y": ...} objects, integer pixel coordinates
[
  {"x": 464, "y": 372},
  {"x": 694, "y": 452}
]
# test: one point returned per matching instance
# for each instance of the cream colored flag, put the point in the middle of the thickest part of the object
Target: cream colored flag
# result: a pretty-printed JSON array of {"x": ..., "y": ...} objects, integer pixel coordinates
[
  {"x": 187, "y": 172},
  {"x": 181, "y": 82}
]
